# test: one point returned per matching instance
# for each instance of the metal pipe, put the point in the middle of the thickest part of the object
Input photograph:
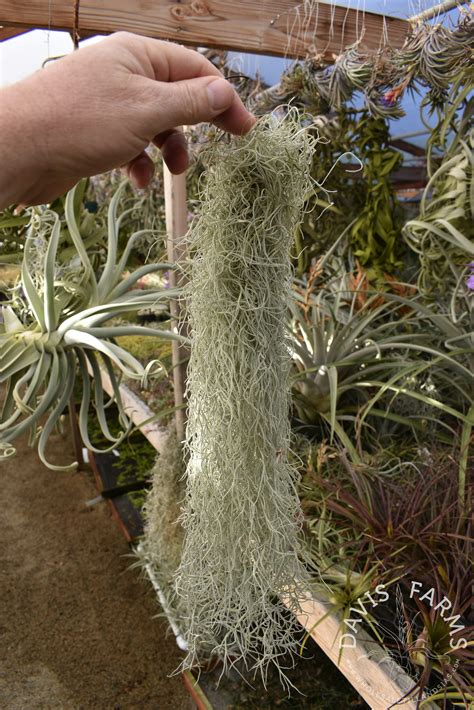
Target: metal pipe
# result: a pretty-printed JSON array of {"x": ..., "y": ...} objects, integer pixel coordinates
[
  {"x": 439, "y": 9},
  {"x": 180, "y": 640},
  {"x": 414, "y": 134}
]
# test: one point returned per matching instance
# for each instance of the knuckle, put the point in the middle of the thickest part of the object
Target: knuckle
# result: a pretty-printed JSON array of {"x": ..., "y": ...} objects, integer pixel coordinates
[{"x": 124, "y": 37}]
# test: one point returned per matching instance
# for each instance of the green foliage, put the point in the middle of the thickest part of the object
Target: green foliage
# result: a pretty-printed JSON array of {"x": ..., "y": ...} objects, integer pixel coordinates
[
  {"x": 361, "y": 354},
  {"x": 346, "y": 335},
  {"x": 140, "y": 210},
  {"x": 12, "y": 236},
  {"x": 136, "y": 453},
  {"x": 391, "y": 519},
  {"x": 441, "y": 235},
  {"x": 337, "y": 198},
  {"x": 359, "y": 203},
  {"x": 432, "y": 650},
  {"x": 374, "y": 235},
  {"x": 147, "y": 348}
]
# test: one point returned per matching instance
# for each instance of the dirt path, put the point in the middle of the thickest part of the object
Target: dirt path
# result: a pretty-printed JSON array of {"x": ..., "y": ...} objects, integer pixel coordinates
[{"x": 76, "y": 626}]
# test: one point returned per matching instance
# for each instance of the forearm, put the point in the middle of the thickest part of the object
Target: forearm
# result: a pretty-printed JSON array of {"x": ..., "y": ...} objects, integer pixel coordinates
[{"x": 21, "y": 154}]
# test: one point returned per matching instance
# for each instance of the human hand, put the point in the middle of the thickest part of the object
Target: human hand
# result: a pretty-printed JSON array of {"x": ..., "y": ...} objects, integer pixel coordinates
[{"x": 100, "y": 107}]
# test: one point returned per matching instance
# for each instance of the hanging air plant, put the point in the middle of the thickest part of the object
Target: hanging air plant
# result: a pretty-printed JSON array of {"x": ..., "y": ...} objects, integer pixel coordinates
[
  {"x": 433, "y": 56},
  {"x": 241, "y": 518},
  {"x": 441, "y": 234},
  {"x": 55, "y": 324}
]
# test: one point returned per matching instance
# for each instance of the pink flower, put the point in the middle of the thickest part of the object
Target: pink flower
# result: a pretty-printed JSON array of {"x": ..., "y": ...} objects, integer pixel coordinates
[{"x": 470, "y": 280}]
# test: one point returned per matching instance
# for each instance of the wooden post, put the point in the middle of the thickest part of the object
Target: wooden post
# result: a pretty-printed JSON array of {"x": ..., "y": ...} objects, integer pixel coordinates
[{"x": 176, "y": 227}]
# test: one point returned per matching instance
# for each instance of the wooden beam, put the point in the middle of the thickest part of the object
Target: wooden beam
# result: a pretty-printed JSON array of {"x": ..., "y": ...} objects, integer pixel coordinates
[
  {"x": 9, "y": 32},
  {"x": 274, "y": 27}
]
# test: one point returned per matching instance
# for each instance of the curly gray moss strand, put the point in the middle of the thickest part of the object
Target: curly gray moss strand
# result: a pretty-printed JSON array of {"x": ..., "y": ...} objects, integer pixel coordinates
[
  {"x": 163, "y": 535},
  {"x": 242, "y": 519}
]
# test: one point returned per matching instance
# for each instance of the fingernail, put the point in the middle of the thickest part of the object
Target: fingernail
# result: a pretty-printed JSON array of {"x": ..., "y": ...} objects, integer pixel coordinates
[{"x": 220, "y": 94}]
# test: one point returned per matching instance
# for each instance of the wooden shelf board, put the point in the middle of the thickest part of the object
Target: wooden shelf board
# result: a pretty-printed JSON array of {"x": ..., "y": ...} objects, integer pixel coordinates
[{"x": 369, "y": 669}]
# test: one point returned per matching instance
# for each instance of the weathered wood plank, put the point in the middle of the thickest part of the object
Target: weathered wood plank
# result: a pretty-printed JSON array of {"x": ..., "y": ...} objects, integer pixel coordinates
[
  {"x": 275, "y": 27},
  {"x": 369, "y": 669},
  {"x": 407, "y": 147},
  {"x": 437, "y": 10}
]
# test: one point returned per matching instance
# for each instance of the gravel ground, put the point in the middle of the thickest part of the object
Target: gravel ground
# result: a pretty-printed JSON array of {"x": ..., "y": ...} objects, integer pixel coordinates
[{"x": 76, "y": 623}]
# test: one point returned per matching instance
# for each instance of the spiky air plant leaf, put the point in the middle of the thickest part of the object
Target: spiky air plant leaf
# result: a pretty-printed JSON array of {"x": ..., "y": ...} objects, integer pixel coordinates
[
  {"x": 362, "y": 353},
  {"x": 242, "y": 545},
  {"x": 56, "y": 323},
  {"x": 441, "y": 234},
  {"x": 435, "y": 54}
]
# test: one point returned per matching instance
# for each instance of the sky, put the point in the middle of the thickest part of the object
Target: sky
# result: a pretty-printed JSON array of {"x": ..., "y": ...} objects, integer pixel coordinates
[{"x": 25, "y": 54}]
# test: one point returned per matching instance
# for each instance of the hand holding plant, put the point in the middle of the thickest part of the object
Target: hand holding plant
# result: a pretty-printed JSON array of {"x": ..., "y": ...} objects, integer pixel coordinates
[{"x": 100, "y": 107}]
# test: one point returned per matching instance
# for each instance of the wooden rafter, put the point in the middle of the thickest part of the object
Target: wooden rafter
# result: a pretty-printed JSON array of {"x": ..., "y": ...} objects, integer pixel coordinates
[
  {"x": 274, "y": 27},
  {"x": 8, "y": 32},
  {"x": 407, "y": 147}
]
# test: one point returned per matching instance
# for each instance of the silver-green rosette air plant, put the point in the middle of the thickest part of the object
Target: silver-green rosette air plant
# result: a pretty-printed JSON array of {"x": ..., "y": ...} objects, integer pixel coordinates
[
  {"x": 242, "y": 548},
  {"x": 56, "y": 326}
]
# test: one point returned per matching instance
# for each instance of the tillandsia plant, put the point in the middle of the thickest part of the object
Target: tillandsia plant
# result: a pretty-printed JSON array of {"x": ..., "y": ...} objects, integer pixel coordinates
[
  {"x": 163, "y": 535},
  {"x": 242, "y": 531},
  {"x": 433, "y": 56},
  {"x": 56, "y": 322},
  {"x": 441, "y": 234},
  {"x": 137, "y": 207},
  {"x": 356, "y": 350},
  {"x": 404, "y": 523}
]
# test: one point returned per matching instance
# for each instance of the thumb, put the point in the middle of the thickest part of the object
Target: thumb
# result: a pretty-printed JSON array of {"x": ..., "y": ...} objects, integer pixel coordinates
[{"x": 202, "y": 99}]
